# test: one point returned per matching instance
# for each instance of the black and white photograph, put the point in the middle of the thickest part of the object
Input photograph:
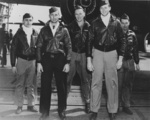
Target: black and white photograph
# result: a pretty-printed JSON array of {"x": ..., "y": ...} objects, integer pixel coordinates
[{"x": 74, "y": 59}]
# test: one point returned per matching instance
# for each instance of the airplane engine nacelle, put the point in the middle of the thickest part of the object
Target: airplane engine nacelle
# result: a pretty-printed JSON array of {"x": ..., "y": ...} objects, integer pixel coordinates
[{"x": 91, "y": 7}]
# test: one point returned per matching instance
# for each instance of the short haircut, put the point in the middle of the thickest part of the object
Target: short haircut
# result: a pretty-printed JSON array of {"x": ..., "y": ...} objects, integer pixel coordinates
[
  {"x": 125, "y": 16},
  {"x": 27, "y": 15},
  {"x": 78, "y": 7},
  {"x": 53, "y": 9},
  {"x": 3, "y": 25}
]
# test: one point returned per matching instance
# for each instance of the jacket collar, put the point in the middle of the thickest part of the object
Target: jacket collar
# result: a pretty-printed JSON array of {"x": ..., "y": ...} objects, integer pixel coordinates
[
  {"x": 20, "y": 30},
  {"x": 112, "y": 18},
  {"x": 47, "y": 26},
  {"x": 84, "y": 26}
]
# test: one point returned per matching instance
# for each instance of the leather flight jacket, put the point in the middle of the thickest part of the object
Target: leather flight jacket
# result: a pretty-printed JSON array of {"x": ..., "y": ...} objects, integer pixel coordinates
[
  {"x": 131, "y": 51},
  {"x": 78, "y": 36},
  {"x": 59, "y": 43},
  {"x": 106, "y": 38},
  {"x": 20, "y": 47}
]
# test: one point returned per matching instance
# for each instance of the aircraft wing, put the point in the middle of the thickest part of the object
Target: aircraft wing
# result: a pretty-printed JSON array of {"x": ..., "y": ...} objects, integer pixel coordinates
[
  {"x": 40, "y": 23},
  {"x": 34, "y": 2}
]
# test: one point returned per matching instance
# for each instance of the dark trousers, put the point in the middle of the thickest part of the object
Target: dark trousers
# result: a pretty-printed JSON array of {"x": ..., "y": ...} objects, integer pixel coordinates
[
  {"x": 125, "y": 80},
  {"x": 53, "y": 64}
]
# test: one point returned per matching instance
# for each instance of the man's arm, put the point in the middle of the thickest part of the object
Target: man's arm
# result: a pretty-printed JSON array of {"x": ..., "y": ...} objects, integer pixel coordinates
[
  {"x": 13, "y": 53},
  {"x": 136, "y": 52},
  {"x": 68, "y": 52},
  {"x": 89, "y": 42},
  {"x": 122, "y": 44},
  {"x": 39, "y": 45},
  {"x": 121, "y": 39},
  {"x": 68, "y": 45},
  {"x": 89, "y": 46}
]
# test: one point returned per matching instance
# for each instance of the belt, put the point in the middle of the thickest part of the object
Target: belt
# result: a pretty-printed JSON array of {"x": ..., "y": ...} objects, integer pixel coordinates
[
  {"x": 52, "y": 55},
  {"x": 128, "y": 57},
  {"x": 27, "y": 58},
  {"x": 105, "y": 48}
]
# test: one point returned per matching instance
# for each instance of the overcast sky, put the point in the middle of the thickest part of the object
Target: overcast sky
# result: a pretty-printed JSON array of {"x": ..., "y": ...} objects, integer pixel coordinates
[{"x": 38, "y": 12}]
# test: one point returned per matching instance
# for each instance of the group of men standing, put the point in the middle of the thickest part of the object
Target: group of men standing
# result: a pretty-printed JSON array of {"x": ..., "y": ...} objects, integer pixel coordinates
[{"x": 103, "y": 48}]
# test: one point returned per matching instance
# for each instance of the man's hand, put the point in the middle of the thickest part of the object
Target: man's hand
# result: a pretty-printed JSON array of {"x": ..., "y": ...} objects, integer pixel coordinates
[
  {"x": 14, "y": 70},
  {"x": 119, "y": 63},
  {"x": 89, "y": 64},
  {"x": 137, "y": 67},
  {"x": 66, "y": 68},
  {"x": 39, "y": 68}
]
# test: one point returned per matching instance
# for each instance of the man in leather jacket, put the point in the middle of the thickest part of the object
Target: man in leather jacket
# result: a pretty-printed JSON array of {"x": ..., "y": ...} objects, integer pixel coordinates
[
  {"x": 105, "y": 35},
  {"x": 53, "y": 56},
  {"x": 78, "y": 30},
  {"x": 23, "y": 51},
  {"x": 126, "y": 73}
]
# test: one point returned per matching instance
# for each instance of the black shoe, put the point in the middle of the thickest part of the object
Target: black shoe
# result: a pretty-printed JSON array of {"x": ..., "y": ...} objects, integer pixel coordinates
[
  {"x": 87, "y": 107},
  {"x": 43, "y": 117},
  {"x": 127, "y": 110},
  {"x": 32, "y": 109},
  {"x": 19, "y": 110},
  {"x": 119, "y": 109},
  {"x": 93, "y": 116},
  {"x": 112, "y": 116},
  {"x": 62, "y": 115}
]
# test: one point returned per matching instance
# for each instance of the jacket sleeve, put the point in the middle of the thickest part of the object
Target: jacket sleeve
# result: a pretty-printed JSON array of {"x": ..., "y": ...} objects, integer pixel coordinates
[
  {"x": 39, "y": 45},
  {"x": 121, "y": 39},
  {"x": 135, "y": 50},
  {"x": 68, "y": 45},
  {"x": 13, "y": 51},
  {"x": 90, "y": 40}
]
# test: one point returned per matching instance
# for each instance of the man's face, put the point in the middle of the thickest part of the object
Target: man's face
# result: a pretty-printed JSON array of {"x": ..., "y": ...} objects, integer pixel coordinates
[
  {"x": 28, "y": 22},
  {"x": 79, "y": 14},
  {"x": 105, "y": 9},
  {"x": 125, "y": 24},
  {"x": 54, "y": 16}
]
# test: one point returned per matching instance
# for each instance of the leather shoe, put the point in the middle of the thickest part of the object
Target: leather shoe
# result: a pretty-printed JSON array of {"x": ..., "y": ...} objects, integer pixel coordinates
[
  {"x": 127, "y": 110},
  {"x": 87, "y": 107},
  {"x": 62, "y": 115},
  {"x": 93, "y": 116},
  {"x": 112, "y": 116},
  {"x": 32, "y": 109},
  {"x": 19, "y": 110}
]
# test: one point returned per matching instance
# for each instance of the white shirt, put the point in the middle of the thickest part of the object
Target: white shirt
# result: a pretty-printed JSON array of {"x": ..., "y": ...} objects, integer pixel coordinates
[
  {"x": 106, "y": 19},
  {"x": 28, "y": 32},
  {"x": 55, "y": 28}
]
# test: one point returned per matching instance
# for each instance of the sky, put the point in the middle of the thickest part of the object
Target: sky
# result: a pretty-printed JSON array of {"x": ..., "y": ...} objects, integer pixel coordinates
[{"x": 38, "y": 12}]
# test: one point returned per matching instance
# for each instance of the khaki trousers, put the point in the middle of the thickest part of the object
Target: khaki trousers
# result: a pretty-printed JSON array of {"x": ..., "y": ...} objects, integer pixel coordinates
[
  {"x": 78, "y": 64},
  {"x": 104, "y": 62},
  {"x": 25, "y": 78}
]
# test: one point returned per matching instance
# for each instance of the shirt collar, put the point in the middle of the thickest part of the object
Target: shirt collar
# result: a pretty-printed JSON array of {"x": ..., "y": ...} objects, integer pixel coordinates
[
  {"x": 51, "y": 26},
  {"x": 106, "y": 17},
  {"x": 27, "y": 30}
]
